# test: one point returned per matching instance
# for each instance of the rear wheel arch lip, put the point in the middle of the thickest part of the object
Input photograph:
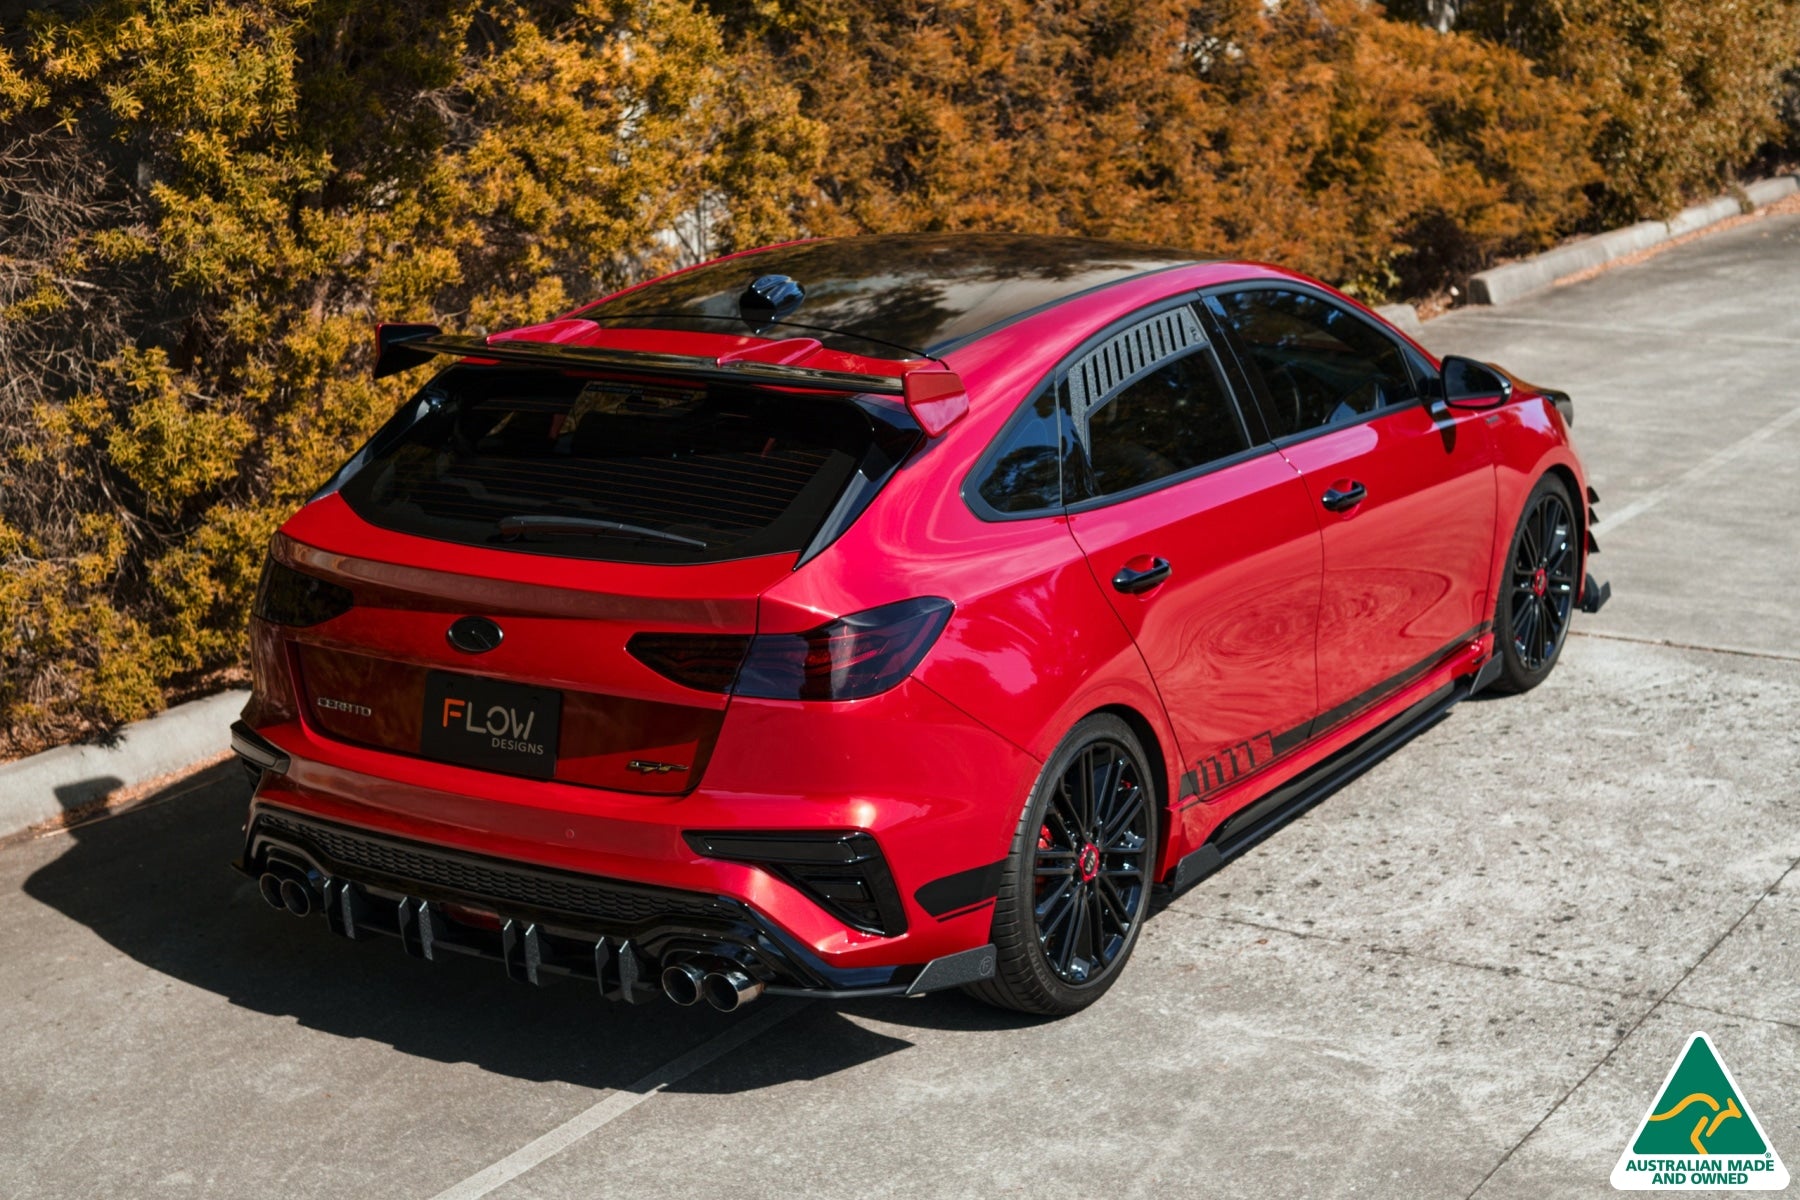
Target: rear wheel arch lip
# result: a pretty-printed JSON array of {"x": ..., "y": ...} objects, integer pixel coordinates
[{"x": 1157, "y": 743}]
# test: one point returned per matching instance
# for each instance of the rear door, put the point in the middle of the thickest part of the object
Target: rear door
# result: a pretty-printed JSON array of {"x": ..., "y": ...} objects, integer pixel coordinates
[
  {"x": 1403, "y": 488},
  {"x": 1203, "y": 540}
]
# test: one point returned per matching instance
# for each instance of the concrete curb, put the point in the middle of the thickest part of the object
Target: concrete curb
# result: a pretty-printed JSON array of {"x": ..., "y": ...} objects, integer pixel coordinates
[
  {"x": 45, "y": 787},
  {"x": 1515, "y": 281},
  {"x": 1403, "y": 317}
]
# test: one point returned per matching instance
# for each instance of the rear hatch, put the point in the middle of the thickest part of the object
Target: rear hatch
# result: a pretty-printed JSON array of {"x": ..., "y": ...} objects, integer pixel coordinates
[{"x": 502, "y": 542}]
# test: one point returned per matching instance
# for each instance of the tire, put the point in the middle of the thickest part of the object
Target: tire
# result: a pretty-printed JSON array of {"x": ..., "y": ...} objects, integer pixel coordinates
[
  {"x": 1049, "y": 962},
  {"x": 1537, "y": 592}
]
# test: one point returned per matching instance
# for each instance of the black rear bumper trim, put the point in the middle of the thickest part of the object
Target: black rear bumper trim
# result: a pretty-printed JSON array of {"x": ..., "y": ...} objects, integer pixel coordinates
[
  {"x": 549, "y": 923},
  {"x": 257, "y": 752}
]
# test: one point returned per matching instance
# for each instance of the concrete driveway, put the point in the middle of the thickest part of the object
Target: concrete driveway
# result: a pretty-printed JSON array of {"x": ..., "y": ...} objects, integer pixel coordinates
[{"x": 1465, "y": 974}]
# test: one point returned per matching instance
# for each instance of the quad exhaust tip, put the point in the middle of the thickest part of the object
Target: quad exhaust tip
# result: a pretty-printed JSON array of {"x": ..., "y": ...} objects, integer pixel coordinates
[
  {"x": 290, "y": 892},
  {"x": 720, "y": 984},
  {"x": 296, "y": 897},
  {"x": 682, "y": 982},
  {"x": 730, "y": 990}
]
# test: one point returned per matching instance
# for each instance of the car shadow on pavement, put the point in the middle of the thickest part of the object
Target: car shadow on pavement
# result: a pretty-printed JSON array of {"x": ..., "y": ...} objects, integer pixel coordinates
[{"x": 155, "y": 884}]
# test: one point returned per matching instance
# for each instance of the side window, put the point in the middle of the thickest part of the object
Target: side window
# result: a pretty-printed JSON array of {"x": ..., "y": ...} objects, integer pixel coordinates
[
  {"x": 1024, "y": 473},
  {"x": 1149, "y": 403},
  {"x": 1319, "y": 363},
  {"x": 1431, "y": 384}
]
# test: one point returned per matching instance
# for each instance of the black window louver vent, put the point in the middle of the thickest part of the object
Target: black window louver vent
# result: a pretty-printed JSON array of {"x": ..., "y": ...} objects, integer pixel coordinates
[{"x": 1130, "y": 355}]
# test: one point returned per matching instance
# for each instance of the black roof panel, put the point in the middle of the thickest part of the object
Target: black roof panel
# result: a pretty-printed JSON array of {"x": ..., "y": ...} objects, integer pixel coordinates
[{"x": 921, "y": 293}]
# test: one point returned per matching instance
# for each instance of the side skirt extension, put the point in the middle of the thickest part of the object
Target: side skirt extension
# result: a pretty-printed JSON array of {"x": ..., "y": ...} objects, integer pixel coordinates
[{"x": 1258, "y": 820}]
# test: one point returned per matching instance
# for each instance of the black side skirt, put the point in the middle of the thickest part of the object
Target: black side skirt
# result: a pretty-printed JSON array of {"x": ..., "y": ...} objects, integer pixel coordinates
[{"x": 1250, "y": 825}]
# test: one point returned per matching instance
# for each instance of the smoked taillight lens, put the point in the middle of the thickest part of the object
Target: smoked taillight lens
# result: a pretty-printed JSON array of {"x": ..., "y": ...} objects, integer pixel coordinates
[
  {"x": 703, "y": 661},
  {"x": 289, "y": 597},
  {"x": 860, "y": 655}
]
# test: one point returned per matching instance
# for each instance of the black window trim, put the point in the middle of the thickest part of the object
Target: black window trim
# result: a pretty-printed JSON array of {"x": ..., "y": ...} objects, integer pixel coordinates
[
  {"x": 1426, "y": 386},
  {"x": 1056, "y": 377},
  {"x": 1254, "y": 450}
]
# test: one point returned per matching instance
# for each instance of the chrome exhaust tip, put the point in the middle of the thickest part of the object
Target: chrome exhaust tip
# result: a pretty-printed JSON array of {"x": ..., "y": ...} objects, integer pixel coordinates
[
  {"x": 681, "y": 982},
  {"x": 269, "y": 887},
  {"x": 729, "y": 991},
  {"x": 296, "y": 897}
]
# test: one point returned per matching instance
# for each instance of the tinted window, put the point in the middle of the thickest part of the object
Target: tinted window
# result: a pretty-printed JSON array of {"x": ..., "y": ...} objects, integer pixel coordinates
[
  {"x": 1024, "y": 473},
  {"x": 541, "y": 461},
  {"x": 1319, "y": 363},
  {"x": 1170, "y": 420}
]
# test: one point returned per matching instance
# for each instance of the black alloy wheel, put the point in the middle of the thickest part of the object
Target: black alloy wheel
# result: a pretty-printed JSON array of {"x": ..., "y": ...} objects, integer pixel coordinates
[
  {"x": 1076, "y": 888},
  {"x": 1533, "y": 614}
]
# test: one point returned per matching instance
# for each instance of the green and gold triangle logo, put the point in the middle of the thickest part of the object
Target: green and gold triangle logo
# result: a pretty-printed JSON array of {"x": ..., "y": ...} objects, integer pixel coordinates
[{"x": 1700, "y": 1134}]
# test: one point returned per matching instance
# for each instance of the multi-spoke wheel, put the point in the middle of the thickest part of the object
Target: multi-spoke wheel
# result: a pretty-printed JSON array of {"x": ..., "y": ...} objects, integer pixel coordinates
[
  {"x": 1076, "y": 886},
  {"x": 1531, "y": 618}
]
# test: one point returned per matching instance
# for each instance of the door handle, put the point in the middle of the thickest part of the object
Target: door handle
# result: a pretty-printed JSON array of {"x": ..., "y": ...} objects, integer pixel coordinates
[
  {"x": 1349, "y": 498},
  {"x": 1132, "y": 582}
]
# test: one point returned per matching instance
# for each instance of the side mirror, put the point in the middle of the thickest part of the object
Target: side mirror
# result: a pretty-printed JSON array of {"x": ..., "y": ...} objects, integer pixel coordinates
[{"x": 1469, "y": 384}]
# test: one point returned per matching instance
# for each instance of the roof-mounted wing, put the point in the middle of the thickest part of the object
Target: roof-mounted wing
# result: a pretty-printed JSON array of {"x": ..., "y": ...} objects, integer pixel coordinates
[{"x": 933, "y": 395}]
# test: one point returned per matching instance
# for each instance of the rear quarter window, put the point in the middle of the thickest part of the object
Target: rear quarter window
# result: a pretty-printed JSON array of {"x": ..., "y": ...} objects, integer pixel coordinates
[{"x": 1023, "y": 472}]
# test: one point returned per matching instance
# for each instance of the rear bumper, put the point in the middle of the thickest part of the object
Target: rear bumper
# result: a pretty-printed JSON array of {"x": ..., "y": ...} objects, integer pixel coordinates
[
  {"x": 906, "y": 790},
  {"x": 543, "y": 925}
]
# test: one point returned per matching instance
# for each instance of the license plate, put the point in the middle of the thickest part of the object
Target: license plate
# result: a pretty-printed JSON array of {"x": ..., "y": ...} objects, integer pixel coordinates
[{"x": 495, "y": 726}]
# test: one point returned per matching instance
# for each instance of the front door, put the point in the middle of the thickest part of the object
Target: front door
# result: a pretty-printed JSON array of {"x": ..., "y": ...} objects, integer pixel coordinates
[{"x": 1403, "y": 489}]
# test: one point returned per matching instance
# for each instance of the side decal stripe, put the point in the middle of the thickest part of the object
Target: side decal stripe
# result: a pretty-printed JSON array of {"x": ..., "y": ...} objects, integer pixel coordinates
[{"x": 1239, "y": 762}]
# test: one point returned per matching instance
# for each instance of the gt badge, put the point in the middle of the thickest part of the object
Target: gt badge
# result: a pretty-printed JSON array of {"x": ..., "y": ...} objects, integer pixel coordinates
[{"x": 654, "y": 768}]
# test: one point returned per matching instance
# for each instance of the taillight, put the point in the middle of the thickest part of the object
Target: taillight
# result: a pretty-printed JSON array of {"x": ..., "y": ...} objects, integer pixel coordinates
[
  {"x": 861, "y": 655},
  {"x": 705, "y": 662},
  {"x": 288, "y": 597}
]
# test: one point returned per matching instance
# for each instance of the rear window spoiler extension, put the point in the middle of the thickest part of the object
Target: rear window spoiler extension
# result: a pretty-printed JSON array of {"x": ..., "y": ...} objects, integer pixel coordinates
[{"x": 934, "y": 396}]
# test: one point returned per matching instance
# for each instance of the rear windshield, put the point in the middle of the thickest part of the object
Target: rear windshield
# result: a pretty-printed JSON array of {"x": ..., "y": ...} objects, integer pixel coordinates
[{"x": 585, "y": 467}]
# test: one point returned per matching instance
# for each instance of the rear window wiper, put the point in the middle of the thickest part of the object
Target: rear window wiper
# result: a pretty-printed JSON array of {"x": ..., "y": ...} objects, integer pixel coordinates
[{"x": 521, "y": 527}]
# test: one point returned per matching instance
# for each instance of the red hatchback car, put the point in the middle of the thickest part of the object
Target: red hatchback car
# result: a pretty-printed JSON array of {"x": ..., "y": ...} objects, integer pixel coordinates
[{"x": 877, "y": 616}]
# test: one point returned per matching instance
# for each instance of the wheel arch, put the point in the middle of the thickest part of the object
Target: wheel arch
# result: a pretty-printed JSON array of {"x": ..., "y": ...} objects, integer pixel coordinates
[
  {"x": 1530, "y": 445},
  {"x": 1566, "y": 474},
  {"x": 1159, "y": 754},
  {"x": 1577, "y": 494}
]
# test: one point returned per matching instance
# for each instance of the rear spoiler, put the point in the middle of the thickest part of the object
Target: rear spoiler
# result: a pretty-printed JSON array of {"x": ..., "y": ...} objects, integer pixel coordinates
[{"x": 934, "y": 395}]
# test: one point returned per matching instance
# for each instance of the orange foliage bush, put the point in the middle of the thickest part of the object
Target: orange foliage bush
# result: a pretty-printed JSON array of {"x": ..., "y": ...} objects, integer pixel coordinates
[
  {"x": 204, "y": 204},
  {"x": 1322, "y": 135}
]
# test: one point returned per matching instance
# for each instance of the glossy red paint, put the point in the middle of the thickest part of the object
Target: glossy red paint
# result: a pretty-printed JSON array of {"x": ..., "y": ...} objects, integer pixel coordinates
[
  {"x": 744, "y": 347},
  {"x": 1231, "y": 637},
  {"x": 1399, "y": 565},
  {"x": 936, "y": 400},
  {"x": 1239, "y": 672}
]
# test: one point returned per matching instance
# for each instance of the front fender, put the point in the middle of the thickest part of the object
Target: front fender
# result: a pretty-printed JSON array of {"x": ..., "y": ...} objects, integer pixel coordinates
[{"x": 1531, "y": 439}]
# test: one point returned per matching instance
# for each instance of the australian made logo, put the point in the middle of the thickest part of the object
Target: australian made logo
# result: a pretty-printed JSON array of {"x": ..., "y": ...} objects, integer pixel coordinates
[{"x": 1700, "y": 1134}]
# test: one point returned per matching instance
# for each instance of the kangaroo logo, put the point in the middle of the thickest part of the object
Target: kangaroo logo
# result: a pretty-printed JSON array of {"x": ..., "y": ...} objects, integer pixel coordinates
[{"x": 1708, "y": 1123}]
